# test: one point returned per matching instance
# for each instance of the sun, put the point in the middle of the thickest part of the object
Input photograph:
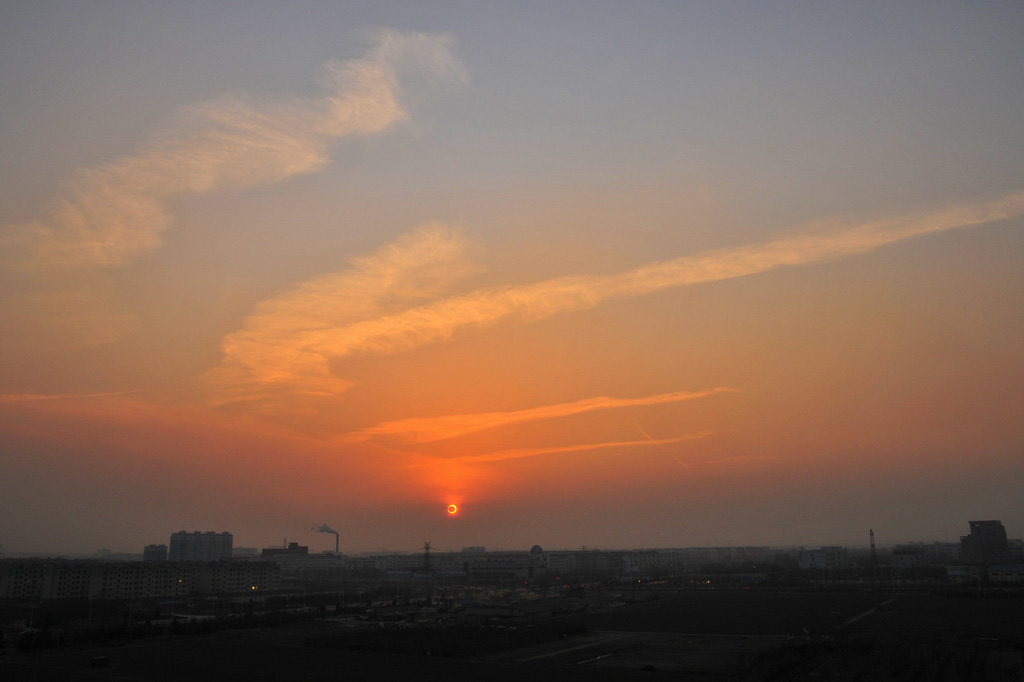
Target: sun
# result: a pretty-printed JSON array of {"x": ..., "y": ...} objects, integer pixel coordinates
[{"x": 453, "y": 509}]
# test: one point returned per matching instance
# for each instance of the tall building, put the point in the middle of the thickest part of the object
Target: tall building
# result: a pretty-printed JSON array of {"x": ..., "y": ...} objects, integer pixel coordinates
[
  {"x": 196, "y": 546},
  {"x": 987, "y": 544}
]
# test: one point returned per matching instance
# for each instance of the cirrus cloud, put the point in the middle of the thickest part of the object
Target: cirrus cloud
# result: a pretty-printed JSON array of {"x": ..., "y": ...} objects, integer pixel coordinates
[{"x": 111, "y": 215}]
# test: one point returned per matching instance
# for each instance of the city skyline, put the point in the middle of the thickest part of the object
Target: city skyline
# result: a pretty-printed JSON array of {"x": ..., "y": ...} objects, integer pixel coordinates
[
  {"x": 985, "y": 543},
  {"x": 662, "y": 276},
  {"x": 313, "y": 544}
]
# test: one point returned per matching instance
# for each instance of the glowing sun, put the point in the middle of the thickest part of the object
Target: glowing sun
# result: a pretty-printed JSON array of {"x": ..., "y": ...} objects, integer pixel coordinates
[{"x": 453, "y": 509}]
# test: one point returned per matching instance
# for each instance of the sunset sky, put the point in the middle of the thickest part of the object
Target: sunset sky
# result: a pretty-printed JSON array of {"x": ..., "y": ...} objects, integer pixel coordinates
[{"x": 605, "y": 274}]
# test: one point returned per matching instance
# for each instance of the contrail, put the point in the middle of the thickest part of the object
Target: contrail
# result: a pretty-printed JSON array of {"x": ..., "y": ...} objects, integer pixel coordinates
[
  {"x": 427, "y": 429},
  {"x": 661, "y": 447},
  {"x": 560, "y": 449}
]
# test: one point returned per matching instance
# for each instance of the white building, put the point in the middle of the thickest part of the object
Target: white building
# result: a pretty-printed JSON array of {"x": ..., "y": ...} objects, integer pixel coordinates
[{"x": 826, "y": 558}]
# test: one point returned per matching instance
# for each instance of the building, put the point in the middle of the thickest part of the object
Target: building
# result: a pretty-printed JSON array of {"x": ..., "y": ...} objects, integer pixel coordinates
[
  {"x": 242, "y": 577},
  {"x": 986, "y": 545},
  {"x": 37, "y": 579},
  {"x": 703, "y": 556},
  {"x": 914, "y": 555},
  {"x": 197, "y": 546},
  {"x": 945, "y": 553},
  {"x": 154, "y": 553},
  {"x": 1006, "y": 574},
  {"x": 648, "y": 561},
  {"x": 826, "y": 558},
  {"x": 47, "y": 579},
  {"x": 499, "y": 568},
  {"x": 292, "y": 550}
]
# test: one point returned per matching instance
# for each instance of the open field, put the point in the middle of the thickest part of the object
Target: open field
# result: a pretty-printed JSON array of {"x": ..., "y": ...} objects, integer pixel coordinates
[
  {"x": 999, "y": 617},
  {"x": 737, "y": 613},
  {"x": 266, "y": 656},
  {"x": 856, "y": 636},
  {"x": 712, "y": 635}
]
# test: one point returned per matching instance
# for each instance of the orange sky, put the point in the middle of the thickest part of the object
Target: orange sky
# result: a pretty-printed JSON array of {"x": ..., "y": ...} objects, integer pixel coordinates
[{"x": 677, "y": 307}]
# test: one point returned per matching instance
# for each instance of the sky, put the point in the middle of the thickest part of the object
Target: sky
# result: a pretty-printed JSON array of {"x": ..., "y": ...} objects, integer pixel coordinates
[{"x": 603, "y": 274}]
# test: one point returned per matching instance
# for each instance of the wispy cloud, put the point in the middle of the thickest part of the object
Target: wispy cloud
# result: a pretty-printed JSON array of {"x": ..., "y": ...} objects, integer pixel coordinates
[
  {"x": 532, "y": 452},
  {"x": 37, "y": 397},
  {"x": 283, "y": 343},
  {"x": 437, "y": 321},
  {"x": 278, "y": 345},
  {"x": 427, "y": 429},
  {"x": 112, "y": 213}
]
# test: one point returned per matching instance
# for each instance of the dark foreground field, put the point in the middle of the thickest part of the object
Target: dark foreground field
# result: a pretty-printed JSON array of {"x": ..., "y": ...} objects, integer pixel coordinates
[
  {"x": 701, "y": 636},
  {"x": 738, "y": 613}
]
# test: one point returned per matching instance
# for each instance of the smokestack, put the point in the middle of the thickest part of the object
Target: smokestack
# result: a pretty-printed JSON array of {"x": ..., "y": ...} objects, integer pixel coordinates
[{"x": 324, "y": 528}]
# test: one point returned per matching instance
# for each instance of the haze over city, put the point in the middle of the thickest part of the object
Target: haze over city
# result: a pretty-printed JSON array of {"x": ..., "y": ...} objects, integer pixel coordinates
[{"x": 652, "y": 275}]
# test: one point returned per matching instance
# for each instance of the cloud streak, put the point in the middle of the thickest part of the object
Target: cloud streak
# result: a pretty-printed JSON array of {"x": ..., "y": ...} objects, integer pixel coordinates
[
  {"x": 520, "y": 453},
  {"x": 36, "y": 397},
  {"x": 437, "y": 321},
  {"x": 282, "y": 340},
  {"x": 278, "y": 345},
  {"x": 428, "y": 429}
]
